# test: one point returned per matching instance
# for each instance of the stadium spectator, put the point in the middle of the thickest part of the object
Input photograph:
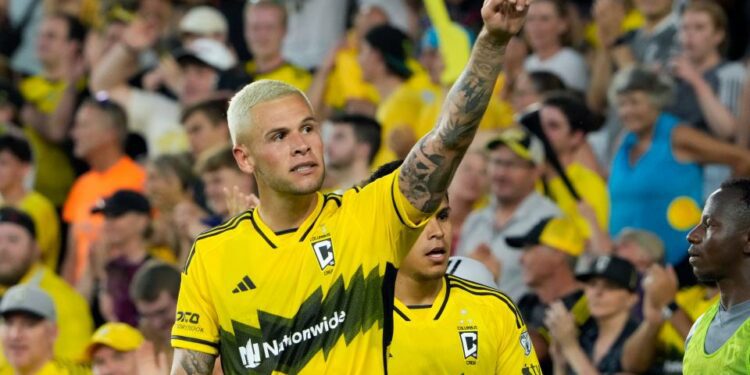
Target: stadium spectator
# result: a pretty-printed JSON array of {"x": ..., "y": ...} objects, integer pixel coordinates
[
  {"x": 20, "y": 266},
  {"x": 15, "y": 167},
  {"x": 529, "y": 88},
  {"x": 114, "y": 350},
  {"x": 265, "y": 29},
  {"x": 610, "y": 284},
  {"x": 206, "y": 126},
  {"x": 350, "y": 150},
  {"x": 550, "y": 252},
  {"x": 98, "y": 137},
  {"x": 546, "y": 31},
  {"x": 28, "y": 332},
  {"x": 656, "y": 178},
  {"x": 515, "y": 164},
  {"x": 51, "y": 97},
  {"x": 468, "y": 191}
]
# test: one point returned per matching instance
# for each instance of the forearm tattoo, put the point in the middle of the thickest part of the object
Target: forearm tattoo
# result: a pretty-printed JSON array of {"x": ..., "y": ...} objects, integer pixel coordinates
[{"x": 194, "y": 363}]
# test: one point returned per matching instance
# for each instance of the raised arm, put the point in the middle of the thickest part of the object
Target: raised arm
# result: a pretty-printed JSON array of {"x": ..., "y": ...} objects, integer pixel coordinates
[
  {"x": 191, "y": 362},
  {"x": 429, "y": 166}
]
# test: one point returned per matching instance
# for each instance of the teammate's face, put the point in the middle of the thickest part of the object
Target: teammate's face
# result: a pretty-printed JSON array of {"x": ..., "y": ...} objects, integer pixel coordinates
[
  {"x": 203, "y": 134},
  {"x": 470, "y": 181},
  {"x": 428, "y": 258},
  {"x": 719, "y": 244},
  {"x": 558, "y": 131},
  {"x": 157, "y": 317},
  {"x": 17, "y": 253},
  {"x": 285, "y": 149},
  {"x": 538, "y": 263},
  {"x": 107, "y": 361},
  {"x": 698, "y": 35},
  {"x": 637, "y": 111},
  {"x": 606, "y": 299},
  {"x": 511, "y": 177},
  {"x": 27, "y": 340},
  {"x": 341, "y": 149}
]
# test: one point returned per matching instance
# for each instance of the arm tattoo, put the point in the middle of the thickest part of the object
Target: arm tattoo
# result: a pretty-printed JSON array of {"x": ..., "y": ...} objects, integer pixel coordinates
[
  {"x": 430, "y": 165},
  {"x": 192, "y": 363}
]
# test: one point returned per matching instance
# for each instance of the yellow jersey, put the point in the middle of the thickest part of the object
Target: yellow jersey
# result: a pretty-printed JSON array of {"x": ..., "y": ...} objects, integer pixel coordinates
[
  {"x": 469, "y": 329},
  {"x": 593, "y": 190},
  {"x": 54, "y": 367},
  {"x": 312, "y": 300},
  {"x": 47, "y": 225},
  {"x": 286, "y": 72}
]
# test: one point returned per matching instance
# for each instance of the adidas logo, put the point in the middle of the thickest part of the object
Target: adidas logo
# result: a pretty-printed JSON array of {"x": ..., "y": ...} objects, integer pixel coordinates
[{"x": 244, "y": 285}]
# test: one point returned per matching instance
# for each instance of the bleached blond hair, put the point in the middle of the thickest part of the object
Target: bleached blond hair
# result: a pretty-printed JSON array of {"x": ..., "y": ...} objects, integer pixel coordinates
[{"x": 238, "y": 114}]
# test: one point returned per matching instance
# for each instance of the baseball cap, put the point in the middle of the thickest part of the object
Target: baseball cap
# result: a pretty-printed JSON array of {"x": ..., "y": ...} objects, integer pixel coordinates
[
  {"x": 556, "y": 232},
  {"x": 204, "y": 20},
  {"x": 612, "y": 268},
  {"x": 521, "y": 142},
  {"x": 393, "y": 45},
  {"x": 118, "y": 336},
  {"x": 14, "y": 216},
  {"x": 470, "y": 269},
  {"x": 29, "y": 299},
  {"x": 206, "y": 51},
  {"x": 122, "y": 202}
]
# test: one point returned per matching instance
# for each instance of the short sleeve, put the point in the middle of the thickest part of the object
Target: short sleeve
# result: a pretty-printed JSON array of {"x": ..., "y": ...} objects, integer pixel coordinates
[
  {"x": 516, "y": 353},
  {"x": 196, "y": 324}
]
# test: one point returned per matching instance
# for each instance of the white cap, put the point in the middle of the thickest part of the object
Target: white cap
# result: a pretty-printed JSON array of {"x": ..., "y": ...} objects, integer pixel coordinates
[
  {"x": 470, "y": 269},
  {"x": 209, "y": 52},
  {"x": 204, "y": 20}
]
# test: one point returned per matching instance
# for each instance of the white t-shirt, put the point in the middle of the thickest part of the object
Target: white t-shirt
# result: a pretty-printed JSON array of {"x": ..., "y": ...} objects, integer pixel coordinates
[
  {"x": 567, "y": 64},
  {"x": 157, "y": 119}
]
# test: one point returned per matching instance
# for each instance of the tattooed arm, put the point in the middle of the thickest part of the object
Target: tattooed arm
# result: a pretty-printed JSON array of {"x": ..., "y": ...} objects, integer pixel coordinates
[
  {"x": 190, "y": 362},
  {"x": 429, "y": 167}
]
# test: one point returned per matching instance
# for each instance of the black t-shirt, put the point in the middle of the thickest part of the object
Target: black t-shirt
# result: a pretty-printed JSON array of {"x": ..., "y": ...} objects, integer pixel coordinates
[{"x": 611, "y": 363}]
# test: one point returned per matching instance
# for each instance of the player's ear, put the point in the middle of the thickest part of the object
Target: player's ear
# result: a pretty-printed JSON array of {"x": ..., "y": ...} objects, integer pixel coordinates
[{"x": 244, "y": 159}]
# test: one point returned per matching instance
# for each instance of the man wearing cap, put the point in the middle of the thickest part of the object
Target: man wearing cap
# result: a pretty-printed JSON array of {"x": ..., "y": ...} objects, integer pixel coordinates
[
  {"x": 265, "y": 29},
  {"x": 127, "y": 217},
  {"x": 550, "y": 252},
  {"x": 403, "y": 90},
  {"x": 610, "y": 287},
  {"x": 515, "y": 163},
  {"x": 28, "y": 331},
  {"x": 203, "y": 22},
  {"x": 113, "y": 350},
  {"x": 19, "y": 265}
]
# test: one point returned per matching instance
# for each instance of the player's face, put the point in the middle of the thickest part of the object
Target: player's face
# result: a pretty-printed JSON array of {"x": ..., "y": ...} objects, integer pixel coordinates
[
  {"x": 157, "y": 317},
  {"x": 341, "y": 149},
  {"x": 27, "y": 340},
  {"x": 17, "y": 253},
  {"x": 717, "y": 243},
  {"x": 470, "y": 181},
  {"x": 286, "y": 149},
  {"x": 428, "y": 258},
  {"x": 107, "y": 361},
  {"x": 538, "y": 262},
  {"x": 698, "y": 35},
  {"x": 557, "y": 129},
  {"x": 511, "y": 177},
  {"x": 637, "y": 112},
  {"x": 606, "y": 299}
]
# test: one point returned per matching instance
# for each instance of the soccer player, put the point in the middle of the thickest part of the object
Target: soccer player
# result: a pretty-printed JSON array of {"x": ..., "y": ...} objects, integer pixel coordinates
[
  {"x": 490, "y": 337},
  {"x": 303, "y": 282},
  {"x": 719, "y": 341}
]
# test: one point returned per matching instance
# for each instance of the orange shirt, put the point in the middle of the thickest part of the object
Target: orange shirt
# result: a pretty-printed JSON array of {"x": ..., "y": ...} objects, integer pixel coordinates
[{"x": 87, "y": 190}]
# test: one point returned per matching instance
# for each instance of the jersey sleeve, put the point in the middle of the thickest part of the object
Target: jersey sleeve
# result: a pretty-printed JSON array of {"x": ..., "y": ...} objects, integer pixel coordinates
[
  {"x": 383, "y": 212},
  {"x": 196, "y": 324},
  {"x": 516, "y": 353}
]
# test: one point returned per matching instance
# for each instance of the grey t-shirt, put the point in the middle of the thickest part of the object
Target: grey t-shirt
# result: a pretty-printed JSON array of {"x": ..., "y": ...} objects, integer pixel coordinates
[{"x": 725, "y": 324}]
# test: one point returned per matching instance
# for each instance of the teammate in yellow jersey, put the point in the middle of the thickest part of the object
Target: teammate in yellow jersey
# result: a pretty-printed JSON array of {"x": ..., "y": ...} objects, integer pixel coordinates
[
  {"x": 304, "y": 282},
  {"x": 443, "y": 324}
]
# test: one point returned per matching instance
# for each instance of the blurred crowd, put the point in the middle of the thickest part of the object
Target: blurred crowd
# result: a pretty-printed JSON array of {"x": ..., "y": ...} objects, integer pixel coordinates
[{"x": 609, "y": 126}]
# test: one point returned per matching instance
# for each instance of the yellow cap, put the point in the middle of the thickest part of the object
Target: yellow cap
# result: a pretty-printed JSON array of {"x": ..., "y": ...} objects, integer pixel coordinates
[
  {"x": 118, "y": 336},
  {"x": 557, "y": 232}
]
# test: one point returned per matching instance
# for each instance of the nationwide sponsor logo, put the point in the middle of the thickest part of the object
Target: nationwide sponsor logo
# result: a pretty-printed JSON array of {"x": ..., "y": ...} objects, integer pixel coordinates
[
  {"x": 324, "y": 253},
  {"x": 470, "y": 343},
  {"x": 253, "y": 353},
  {"x": 525, "y": 341}
]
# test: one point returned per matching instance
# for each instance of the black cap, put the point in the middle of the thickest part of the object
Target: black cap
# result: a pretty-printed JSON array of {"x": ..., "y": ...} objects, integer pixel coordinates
[
  {"x": 122, "y": 202},
  {"x": 14, "y": 216},
  {"x": 612, "y": 268},
  {"x": 393, "y": 45}
]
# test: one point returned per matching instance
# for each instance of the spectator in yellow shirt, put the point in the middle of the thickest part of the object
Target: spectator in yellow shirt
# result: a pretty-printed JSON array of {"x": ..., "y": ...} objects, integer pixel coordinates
[{"x": 19, "y": 265}]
